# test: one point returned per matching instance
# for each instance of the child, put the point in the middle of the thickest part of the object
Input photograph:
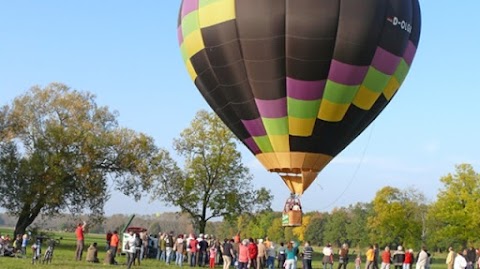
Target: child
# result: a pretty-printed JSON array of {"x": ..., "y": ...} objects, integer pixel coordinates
[
  {"x": 358, "y": 262},
  {"x": 213, "y": 254}
]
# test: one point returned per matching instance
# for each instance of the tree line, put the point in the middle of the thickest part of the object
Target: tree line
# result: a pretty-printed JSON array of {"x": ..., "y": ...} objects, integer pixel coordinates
[{"x": 59, "y": 150}]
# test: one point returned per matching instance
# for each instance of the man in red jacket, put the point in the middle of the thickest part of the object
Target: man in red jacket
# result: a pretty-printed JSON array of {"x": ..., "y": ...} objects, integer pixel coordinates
[{"x": 253, "y": 250}]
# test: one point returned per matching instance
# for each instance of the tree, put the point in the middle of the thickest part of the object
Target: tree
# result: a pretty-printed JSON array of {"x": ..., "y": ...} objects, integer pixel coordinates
[
  {"x": 357, "y": 228},
  {"x": 457, "y": 209},
  {"x": 299, "y": 231},
  {"x": 214, "y": 182},
  {"x": 315, "y": 228},
  {"x": 335, "y": 230},
  {"x": 58, "y": 150},
  {"x": 396, "y": 216}
]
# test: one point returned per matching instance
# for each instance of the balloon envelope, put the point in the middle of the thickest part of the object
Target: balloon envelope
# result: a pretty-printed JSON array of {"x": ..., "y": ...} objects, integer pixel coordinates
[{"x": 298, "y": 80}]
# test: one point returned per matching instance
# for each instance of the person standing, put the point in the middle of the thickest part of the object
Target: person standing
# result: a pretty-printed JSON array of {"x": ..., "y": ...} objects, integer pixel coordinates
[
  {"x": 253, "y": 251},
  {"x": 281, "y": 255},
  {"x": 450, "y": 258},
  {"x": 114, "y": 242},
  {"x": 327, "y": 257},
  {"x": 307, "y": 256},
  {"x": 398, "y": 257},
  {"x": 376, "y": 256},
  {"x": 131, "y": 249},
  {"x": 422, "y": 258},
  {"x": 370, "y": 257},
  {"x": 169, "y": 247},
  {"x": 271, "y": 254},
  {"x": 343, "y": 257},
  {"x": 24, "y": 245},
  {"x": 179, "y": 248},
  {"x": 358, "y": 262},
  {"x": 227, "y": 252},
  {"x": 460, "y": 261},
  {"x": 386, "y": 258},
  {"x": 471, "y": 257},
  {"x": 213, "y": 254},
  {"x": 108, "y": 238},
  {"x": 262, "y": 253},
  {"x": 290, "y": 255},
  {"x": 408, "y": 259},
  {"x": 243, "y": 255},
  {"x": 79, "y": 233}
]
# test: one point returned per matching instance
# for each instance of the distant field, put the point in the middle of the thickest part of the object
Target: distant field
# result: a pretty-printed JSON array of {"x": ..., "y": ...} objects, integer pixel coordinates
[{"x": 64, "y": 256}]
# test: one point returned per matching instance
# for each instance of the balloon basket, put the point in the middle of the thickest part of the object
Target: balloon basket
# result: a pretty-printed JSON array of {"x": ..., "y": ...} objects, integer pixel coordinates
[{"x": 292, "y": 213}]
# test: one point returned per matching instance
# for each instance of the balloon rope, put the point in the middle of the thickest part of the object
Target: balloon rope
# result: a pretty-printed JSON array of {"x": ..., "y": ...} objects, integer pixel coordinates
[{"x": 356, "y": 169}]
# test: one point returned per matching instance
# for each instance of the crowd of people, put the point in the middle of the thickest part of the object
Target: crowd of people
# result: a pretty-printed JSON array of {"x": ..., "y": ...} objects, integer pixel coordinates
[{"x": 207, "y": 250}]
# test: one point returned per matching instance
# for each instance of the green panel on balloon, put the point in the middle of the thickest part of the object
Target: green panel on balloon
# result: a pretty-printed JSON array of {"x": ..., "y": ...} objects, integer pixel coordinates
[
  {"x": 278, "y": 126},
  {"x": 339, "y": 93},
  {"x": 376, "y": 80},
  {"x": 402, "y": 71},
  {"x": 302, "y": 109},
  {"x": 263, "y": 142},
  {"x": 190, "y": 23}
]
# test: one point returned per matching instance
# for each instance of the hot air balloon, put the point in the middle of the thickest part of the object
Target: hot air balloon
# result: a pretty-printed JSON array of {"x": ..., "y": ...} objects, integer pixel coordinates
[{"x": 298, "y": 80}]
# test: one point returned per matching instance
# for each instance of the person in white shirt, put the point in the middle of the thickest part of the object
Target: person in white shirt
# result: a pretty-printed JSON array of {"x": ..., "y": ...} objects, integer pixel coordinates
[
  {"x": 422, "y": 258},
  {"x": 460, "y": 262},
  {"x": 327, "y": 257}
]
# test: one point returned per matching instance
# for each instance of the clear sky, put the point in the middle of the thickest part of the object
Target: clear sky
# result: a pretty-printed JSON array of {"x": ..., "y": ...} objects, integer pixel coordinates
[{"x": 126, "y": 52}]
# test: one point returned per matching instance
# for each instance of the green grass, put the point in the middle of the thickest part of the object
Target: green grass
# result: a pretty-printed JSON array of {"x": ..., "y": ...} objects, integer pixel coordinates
[{"x": 64, "y": 256}]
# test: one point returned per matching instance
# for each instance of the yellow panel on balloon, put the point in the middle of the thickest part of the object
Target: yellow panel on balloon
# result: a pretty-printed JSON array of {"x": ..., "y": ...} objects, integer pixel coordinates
[
  {"x": 268, "y": 160},
  {"x": 300, "y": 127},
  {"x": 191, "y": 70},
  {"x": 297, "y": 159},
  {"x": 280, "y": 143},
  {"x": 284, "y": 161},
  {"x": 322, "y": 161},
  {"x": 217, "y": 12},
  {"x": 332, "y": 112},
  {"x": 391, "y": 88},
  {"x": 193, "y": 43},
  {"x": 365, "y": 98}
]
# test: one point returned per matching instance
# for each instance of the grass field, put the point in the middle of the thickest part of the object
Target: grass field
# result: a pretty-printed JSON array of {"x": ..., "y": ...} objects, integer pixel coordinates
[{"x": 64, "y": 256}]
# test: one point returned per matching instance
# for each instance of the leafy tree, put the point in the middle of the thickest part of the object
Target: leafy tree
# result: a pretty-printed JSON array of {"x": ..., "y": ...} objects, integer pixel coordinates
[
  {"x": 276, "y": 232},
  {"x": 214, "y": 182},
  {"x": 395, "y": 218},
  {"x": 59, "y": 148},
  {"x": 357, "y": 228},
  {"x": 336, "y": 227},
  {"x": 315, "y": 228},
  {"x": 299, "y": 232},
  {"x": 457, "y": 209}
]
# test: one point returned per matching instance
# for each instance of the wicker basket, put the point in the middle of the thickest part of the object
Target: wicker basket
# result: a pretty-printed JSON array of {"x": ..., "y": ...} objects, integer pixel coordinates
[
  {"x": 292, "y": 218},
  {"x": 295, "y": 218}
]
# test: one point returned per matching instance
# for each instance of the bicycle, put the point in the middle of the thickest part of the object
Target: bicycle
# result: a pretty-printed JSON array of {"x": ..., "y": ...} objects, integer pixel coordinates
[
  {"x": 47, "y": 258},
  {"x": 37, "y": 250}
]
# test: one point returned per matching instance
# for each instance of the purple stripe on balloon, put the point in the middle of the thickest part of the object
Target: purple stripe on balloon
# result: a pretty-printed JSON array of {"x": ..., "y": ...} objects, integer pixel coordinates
[
  {"x": 252, "y": 145},
  {"x": 180, "y": 35},
  {"x": 347, "y": 74},
  {"x": 305, "y": 90},
  {"x": 272, "y": 108},
  {"x": 189, "y": 6},
  {"x": 255, "y": 127},
  {"x": 385, "y": 61},
  {"x": 409, "y": 53}
]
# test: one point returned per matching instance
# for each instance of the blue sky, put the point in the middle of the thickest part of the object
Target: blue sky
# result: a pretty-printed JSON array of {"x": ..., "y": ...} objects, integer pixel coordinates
[{"x": 126, "y": 52}]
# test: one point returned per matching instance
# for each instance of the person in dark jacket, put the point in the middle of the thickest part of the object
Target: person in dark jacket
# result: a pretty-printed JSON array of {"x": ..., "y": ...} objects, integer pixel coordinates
[{"x": 398, "y": 258}]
